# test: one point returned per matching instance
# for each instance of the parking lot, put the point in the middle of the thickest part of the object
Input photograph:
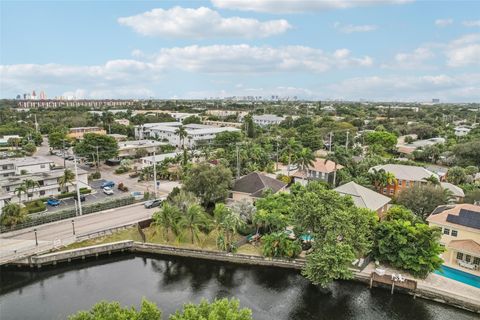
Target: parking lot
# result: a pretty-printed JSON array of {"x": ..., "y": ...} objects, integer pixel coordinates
[{"x": 96, "y": 196}]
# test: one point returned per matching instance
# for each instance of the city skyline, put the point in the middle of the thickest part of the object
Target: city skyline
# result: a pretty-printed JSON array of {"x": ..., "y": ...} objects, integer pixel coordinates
[{"x": 392, "y": 50}]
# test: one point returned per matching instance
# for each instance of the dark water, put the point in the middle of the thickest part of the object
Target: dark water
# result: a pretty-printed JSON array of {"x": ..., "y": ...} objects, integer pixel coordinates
[{"x": 54, "y": 293}]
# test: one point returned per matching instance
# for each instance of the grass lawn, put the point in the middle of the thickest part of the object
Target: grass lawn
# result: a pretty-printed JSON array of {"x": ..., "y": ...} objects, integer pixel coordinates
[
  {"x": 156, "y": 235},
  {"x": 250, "y": 249}
]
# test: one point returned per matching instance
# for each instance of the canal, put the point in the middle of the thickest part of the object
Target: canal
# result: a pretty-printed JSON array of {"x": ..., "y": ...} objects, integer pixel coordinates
[{"x": 56, "y": 292}]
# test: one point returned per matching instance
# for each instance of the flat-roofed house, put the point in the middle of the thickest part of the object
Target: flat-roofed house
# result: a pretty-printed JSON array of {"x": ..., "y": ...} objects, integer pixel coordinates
[
  {"x": 364, "y": 197},
  {"x": 460, "y": 225}
]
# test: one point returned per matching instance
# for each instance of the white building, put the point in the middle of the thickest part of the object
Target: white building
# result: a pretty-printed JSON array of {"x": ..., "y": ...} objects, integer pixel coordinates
[
  {"x": 130, "y": 148},
  {"x": 4, "y": 139},
  {"x": 166, "y": 131},
  {"x": 267, "y": 119},
  {"x": 16, "y": 166},
  {"x": 462, "y": 131},
  {"x": 148, "y": 161}
]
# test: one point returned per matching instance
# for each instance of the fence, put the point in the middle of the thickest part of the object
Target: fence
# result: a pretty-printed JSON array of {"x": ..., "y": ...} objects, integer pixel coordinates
[{"x": 38, "y": 219}]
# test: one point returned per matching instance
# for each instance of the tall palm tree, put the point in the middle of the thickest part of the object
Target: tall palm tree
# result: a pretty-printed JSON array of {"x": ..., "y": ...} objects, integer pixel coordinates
[
  {"x": 12, "y": 214},
  {"x": 19, "y": 191},
  {"x": 194, "y": 219},
  {"x": 67, "y": 178},
  {"x": 182, "y": 134},
  {"x": 305, "y": 159},
  {"x": 291, "y": 148},
  {"x": 169, "y": 217},
  {"x": 107, "y": 118},
  {"x": 432, "y": 180},
  {"x": 30, "y": 185},
  {"x": 336, "y": 158}
]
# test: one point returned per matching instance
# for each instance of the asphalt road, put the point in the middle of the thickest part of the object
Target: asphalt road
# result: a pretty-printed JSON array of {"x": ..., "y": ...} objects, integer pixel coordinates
[{"x": 14, "y": 244}]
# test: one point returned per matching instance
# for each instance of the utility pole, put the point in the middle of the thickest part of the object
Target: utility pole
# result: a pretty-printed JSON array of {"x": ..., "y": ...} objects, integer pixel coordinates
[
  {"x": 330, "y": 142},
  {"x": 98, "y": 159},
  {"x": 63, "y": 142},
  {"x": 155, "y": 174},
  {"x": 77, "y": 186},
  {"x": 36, "y": 123},
  {"x": 276, "y": 164},
  {"x": 238, "y": 162},
  {"x": 346, "y": 142}
]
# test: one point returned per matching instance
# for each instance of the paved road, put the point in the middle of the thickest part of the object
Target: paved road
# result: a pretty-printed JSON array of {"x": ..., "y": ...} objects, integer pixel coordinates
[{"x": 22, "y": 242}]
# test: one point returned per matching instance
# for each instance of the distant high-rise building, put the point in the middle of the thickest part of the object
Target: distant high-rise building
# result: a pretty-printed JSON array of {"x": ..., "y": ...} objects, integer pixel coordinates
[
  {"x": 19, "y": 97},
  {"x": 435, "y": 100},
  {"x": 34, "y": 95},
  {"x": 43, "y": 96},
  {"x": 24, "y": 96}
]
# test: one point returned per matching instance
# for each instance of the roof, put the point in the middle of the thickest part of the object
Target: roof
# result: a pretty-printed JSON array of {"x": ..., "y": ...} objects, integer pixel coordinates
[
  {"x": 268, "y": 117},
  {"x": 463, "y": 215},
  {"x": 466, "y": 246},
  {"x": 363, "y": 197},
  {"x": 256, "y": 183},
  {"x": 456, "y": 191},
  {"x": 321, "y": 165},
  {"x": 404, "y": 172},
  {"x": 25, "y": 161}
]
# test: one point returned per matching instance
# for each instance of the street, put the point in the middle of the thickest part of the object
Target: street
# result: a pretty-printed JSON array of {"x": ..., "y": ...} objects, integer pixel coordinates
[{"x": 22, "y": 242}]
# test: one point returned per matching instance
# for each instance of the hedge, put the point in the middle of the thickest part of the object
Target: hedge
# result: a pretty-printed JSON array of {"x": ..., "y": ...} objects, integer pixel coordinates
[{"x": 35, "y": 206}]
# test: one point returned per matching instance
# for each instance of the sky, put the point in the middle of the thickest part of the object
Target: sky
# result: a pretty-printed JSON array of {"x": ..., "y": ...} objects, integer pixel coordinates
[{"x": 380, "y": 50}]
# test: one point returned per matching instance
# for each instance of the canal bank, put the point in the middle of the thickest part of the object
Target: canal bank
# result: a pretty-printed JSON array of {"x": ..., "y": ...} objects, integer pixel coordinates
[{"x": 465, "y": 300}]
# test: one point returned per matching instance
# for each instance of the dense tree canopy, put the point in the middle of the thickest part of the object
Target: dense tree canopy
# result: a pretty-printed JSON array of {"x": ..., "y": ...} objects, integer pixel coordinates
[{"x": 87, "y": 147}]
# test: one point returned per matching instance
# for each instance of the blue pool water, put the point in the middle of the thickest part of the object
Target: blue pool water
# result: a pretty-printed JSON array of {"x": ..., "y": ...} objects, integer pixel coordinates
[{"x": 460, "y": 276}]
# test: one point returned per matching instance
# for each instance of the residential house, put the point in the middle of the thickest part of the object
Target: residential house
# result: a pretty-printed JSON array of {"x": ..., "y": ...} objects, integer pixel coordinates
[
  {"x": 460, "y": 225},
  {"x": 322, "y": 170},
  {"x": 462, "y": 131},
  {"x": 123, "y": 122},
  {"x": 457, "y": 193},
  {"x": 364, "y": 197},
  {"x": 253, "y": 185},
  {"x": 77, "y": 133},
  {"x": 4, "y": 139},
  {"x": 130, "y": 148},
  {"x": 407, "y": 176},
  {"x": 148, "y": 161}
]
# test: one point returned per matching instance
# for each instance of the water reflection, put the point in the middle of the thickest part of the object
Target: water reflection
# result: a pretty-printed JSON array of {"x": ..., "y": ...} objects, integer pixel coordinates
[{"x": 271, "y": 293}]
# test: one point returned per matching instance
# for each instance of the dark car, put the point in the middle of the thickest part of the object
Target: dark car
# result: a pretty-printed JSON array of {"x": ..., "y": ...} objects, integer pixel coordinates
[
  {"x": 153, "y": 203},
  {"x": 82, "y": 198}
]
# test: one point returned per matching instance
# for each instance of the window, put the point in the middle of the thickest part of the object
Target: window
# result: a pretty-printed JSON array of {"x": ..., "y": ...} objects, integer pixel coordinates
[
  {"x": 454, "y": 233},
  {"x": 42, "y": 192},
  {"x": 4, "y": 167},
  {"x": 468, "y": 258},
  {"x": 7, "y": 188},
  {"x": 399, "y": 182},
  {"x": 446, "y": 231},
  {"x": 42, "y": 166},
  {"x": 476, "y": 260},
  {"x": 407, "y": 183},
  {"x": 459, "y": 256},
  {"x": 384, "y": 190},
  {"x": 391, "y": 191}
]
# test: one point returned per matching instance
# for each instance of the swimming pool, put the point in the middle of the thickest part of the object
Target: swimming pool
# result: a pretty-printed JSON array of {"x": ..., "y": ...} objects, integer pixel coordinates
[{"x": 458, "y": 275}]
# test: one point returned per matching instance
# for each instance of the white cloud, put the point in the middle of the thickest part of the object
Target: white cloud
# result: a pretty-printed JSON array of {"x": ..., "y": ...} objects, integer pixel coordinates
[
  {"x": 465, "y": 87},
  {"x": 198, "y": 23},
  {"x": 417, "y": 59},
  {"x": 296, "y": 6},
  {"x": 464, "y": 51},
  {"x": 471, "y": 23},
  {"x": 252, "y": 59},
  {"x": 350, "y": 28},
  {"x": 443, "y": 22}
]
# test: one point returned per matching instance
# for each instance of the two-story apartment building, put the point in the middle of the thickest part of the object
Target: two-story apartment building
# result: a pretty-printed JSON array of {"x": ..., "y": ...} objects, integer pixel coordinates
[
  {"x": 16, "y": 166},
  {"x": 460, "y": 225},
  {"x": 77, "y": 133},
  {"x": 130, "y": 148},
  {"x": 167, "y": 131},
  {"x": 322, "y": 170},
  {"x": 407, "y": 176}
]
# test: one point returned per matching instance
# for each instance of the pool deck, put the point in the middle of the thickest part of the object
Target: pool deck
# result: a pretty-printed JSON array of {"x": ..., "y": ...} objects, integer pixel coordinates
[{"x": 440, "y": 288}]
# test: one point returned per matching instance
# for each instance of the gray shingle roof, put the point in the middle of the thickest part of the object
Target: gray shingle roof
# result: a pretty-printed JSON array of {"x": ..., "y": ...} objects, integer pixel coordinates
[
  {"x": 404, "y": 172},
  {"x": 256, "y": 183},
  {"x": 363, "y": 197}
]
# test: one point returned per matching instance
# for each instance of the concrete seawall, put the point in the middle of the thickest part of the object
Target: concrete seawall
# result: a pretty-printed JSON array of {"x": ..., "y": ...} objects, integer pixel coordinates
[{"x": 151, "y": 248}]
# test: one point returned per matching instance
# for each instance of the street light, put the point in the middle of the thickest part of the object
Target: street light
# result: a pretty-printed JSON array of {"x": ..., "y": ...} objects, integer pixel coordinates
[
  {"x": 73, "y": 226},
  {"x": 36, "y": 238}
]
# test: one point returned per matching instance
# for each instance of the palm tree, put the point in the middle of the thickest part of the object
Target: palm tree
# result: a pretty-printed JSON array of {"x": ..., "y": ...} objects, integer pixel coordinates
[
  {"x": 30, "y": 185},
  {"x": 19, "y": 190},
  {"x": 305, "y": 159},
  {"x": 381, "y": 178},
  {"x": 291, "y": 148},
  {"x": 107, "y": 118},
  {"x": 67, "y": 178},
  {"x": 228, "y": 223},
  {"x": 12, "y": 214},
  {"x": 169, "y": 217},
  {"x": 336, "y": 158},
  {"x": 182, "y": 134},
  {"x": 432, "y": 180},
  {"x": 195, "y": 218}
]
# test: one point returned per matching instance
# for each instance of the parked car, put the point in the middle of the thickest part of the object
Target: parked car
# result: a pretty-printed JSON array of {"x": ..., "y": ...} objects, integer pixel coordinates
[
  {"x": 153, "y": 203},
  {"x": 109, "y": 184},
  {"x": 108, "y": 191},
  {"x": 53, "y": 202},
  {"x": 82, "y": 198},
  {"x": 137, "y": 195},
  {"x": 70, "y": 157}
]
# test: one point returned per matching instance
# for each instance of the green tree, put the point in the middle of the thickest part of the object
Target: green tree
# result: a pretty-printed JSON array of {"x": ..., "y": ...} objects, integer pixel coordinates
[
  {"x": 194, "y": 220},
  {"x": 227, "y": 223},
  {"x": 291, "y": 150},
  {"x": 30, "y": 148},
  {"x": 468, "y": 153},
  {"x": 423, "y": 199},
  {"x": 182, "y": 133},
  {"x": 278, "y": 245},
  {"x": 56, "y": 139},
  {"x": 191, "y": 119},
  {"x": 21, "y": 189},
  {"x": 218, "y": 309},
  {"x": 208, "y": 182},
  {"x": 405, "y": 243},
  {"x": 169, "y": 217},
  {"x": 456, "y": 175},
  {"x": 30, "y": 186},
  {"x": 113, "y": 311},
  {"x": 107, "y": 147},
  {"x": 305, "y": 159},
  {"x": 13, "y": 214},
  {"x": 66, "y": 179},
  {"x": 383, "y": 138}
]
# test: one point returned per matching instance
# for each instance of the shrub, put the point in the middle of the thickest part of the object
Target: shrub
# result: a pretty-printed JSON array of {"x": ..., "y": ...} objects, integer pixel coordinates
[
  {"x": 35, "y": 206},
  {"x": 96, "y": 175},
  {"x": 122, "y": 187}
]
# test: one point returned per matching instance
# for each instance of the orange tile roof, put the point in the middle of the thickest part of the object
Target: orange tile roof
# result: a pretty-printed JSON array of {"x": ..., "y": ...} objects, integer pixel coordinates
[{"x": 320, "y": 165}]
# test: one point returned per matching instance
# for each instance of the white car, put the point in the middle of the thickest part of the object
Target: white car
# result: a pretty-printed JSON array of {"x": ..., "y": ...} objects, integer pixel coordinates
[{"x": 108, "y": 191}]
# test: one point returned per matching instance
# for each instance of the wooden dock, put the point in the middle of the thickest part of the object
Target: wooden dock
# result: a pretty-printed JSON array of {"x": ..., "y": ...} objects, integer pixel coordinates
[{"x": 393, "y": 280}]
